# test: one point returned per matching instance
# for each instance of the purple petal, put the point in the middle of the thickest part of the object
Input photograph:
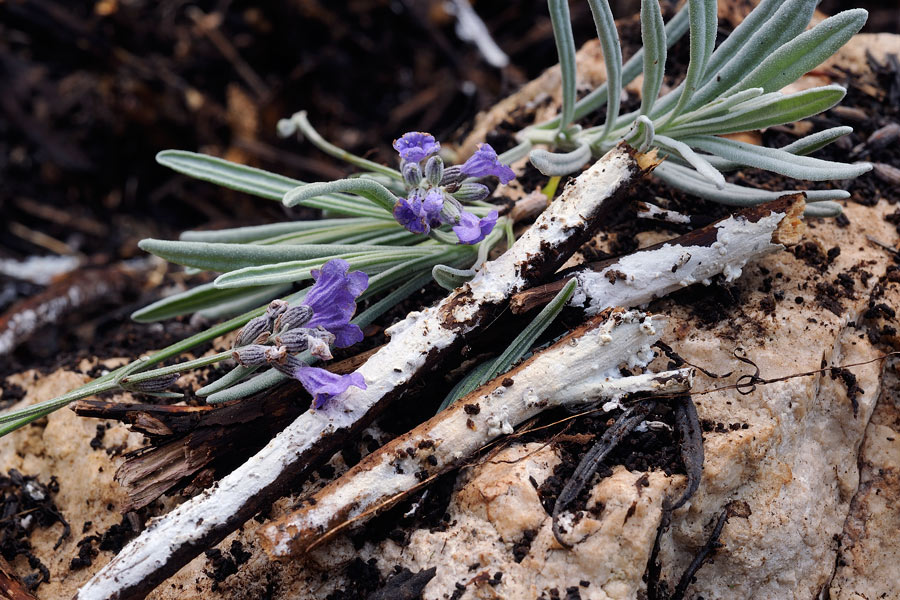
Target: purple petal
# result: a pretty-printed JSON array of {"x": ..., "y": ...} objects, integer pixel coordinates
[
  {"x": 485, "y": 162},
  {"x": 419, "y": 214},
  {"x": 324, "y": 385},
  {"x": 416, "y": 146},
  {"x": 432, "y": 205},
  {"x": 409, "y": 213},
  {"x": 471, "y": 230},
  {"x": 333, "y": 299}
]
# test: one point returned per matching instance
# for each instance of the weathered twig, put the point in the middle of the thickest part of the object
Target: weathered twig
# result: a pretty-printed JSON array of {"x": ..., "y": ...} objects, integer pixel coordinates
[
  {"x": 691, "y": 448},
  {"x": 580, "y": 368},
  {"x": 82, "y": 289},
  {"x": 591, "y": 461},
  {"x": 723, "y": 247},
  {"x": 418, "y": 343}
]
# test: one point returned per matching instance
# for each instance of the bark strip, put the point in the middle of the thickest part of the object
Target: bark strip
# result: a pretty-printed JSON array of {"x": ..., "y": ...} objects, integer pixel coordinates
[
  {"x": 723, "y": 247},
  {"x": 418, "y": 343},
  {"x": 580, "y": 368}
]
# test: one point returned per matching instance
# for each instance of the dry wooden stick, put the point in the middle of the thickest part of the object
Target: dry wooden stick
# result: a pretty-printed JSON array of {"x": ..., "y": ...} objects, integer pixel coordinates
[
  {"x": 418, "y": 343},
  {"x": 82, "y": 289},
  {"x": 581, "y": 367},
  {"x": 722, "y": 247}
]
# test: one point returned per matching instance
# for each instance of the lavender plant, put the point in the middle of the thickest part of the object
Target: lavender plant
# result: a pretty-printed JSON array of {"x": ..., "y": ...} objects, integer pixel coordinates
[
  {"x": 729, "y": 89},
  {"x": 399, "y": 228}
]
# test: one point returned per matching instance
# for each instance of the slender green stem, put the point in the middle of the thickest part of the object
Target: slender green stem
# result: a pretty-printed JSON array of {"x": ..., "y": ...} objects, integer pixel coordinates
[
  {"x": 322, "y": 144},
  {"x": 179, "y": 368}
]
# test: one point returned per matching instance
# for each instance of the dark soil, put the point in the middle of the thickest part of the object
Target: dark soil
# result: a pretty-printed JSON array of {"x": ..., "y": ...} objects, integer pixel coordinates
[{"x": 27, "y": 504}]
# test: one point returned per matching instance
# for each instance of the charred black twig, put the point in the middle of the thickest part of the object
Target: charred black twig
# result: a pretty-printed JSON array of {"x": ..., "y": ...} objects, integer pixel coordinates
[
  {"x": 691, "y": 448},
  {"x": 405, "y": 585},
  {"x": 656, "y": 589},
  {"x": 732, "y": 509},
  {"x": 591, "y": 461}
]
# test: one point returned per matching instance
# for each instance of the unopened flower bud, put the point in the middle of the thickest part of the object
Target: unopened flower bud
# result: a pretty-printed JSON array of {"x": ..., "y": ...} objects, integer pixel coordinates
[
  {"x": 293, "y": 317},
  {"x": 253, "y": 355},
  {"x": 253, "y": 331},
  {"x": 452, "y": 177},
  {"x": 284, "y": 362},
  {"x": 275, "y": 308},
  {"x": 157, "y": 384},
  {"x": 451, "y": 210},
  {"x": 294, "y": 340},
  {"x": 412, "y": 175},
  {"x": 471, "y": 192},
  {"x": 434, "y": 170}
]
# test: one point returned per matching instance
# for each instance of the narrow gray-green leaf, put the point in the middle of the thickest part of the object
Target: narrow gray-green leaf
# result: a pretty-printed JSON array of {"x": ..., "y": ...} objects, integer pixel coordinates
[
  {"x": 232, "y": 377},
  {"x": 254, "y": 233},
  {"x": 252, "y": 298},
  {"x": 553, "y": 163},
  {"x": 228, "y": 174},
  {"x": 689, "y": 181},
  {"x": 300, "y": 270},
  {"x": 190, "y": 301},
  {"x": 695, "y": 160},
  {"x": 703, "y": 20},
  {"x": 823, "y": 209},
  {"x": 805, "y": 52},
  {"x": 777, "y": 161},
  {"x": 565, "y": 49},
  {"x": 653, "y": 35},
  {"x": 765, "y": 111},
  {"x": 222, "y": 257},
  {"x": 787, "y": 22},
  {"x": 612, "y": 57},
  {"x": 367, "y": 188},
  {"x": 451, "y": 278},
  {"x": 814, "y": 141},
  {"x": 515, "y": 351},
  {"x": 675, "y": 30},
  {"x": 642, "y": 134}
]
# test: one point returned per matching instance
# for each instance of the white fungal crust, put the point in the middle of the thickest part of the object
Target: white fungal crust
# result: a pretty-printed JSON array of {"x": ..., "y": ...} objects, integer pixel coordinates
[
  {"x": 638, "y": 278},
  {"x": 142, "y": 564},
  {"x": 581, "y": 368}
]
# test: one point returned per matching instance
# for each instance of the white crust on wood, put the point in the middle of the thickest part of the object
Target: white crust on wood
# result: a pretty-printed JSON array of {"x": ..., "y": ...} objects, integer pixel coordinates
[
  {"x": 581, "y": 368},
  {"x": 640, "y": 277}
]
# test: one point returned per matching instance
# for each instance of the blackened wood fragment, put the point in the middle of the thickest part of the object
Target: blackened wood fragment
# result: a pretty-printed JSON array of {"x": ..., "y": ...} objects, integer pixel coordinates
[{"x": 591, "y": 461}]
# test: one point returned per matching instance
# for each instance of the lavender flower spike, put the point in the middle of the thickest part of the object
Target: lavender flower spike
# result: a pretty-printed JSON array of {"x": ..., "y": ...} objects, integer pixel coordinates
[
  {"x": 485, "y": 162},
  {"x": 324, "y": 385},
  {"x": 416, "y": 146},
  {"x": 333, "y": 300},
  {"x": 419, "y": 214},
  {"x": 471, "y": 230}
]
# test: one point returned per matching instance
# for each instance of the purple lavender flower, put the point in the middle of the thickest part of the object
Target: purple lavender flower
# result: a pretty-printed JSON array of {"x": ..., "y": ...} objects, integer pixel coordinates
[
  {"x": 324, "y": 385},
  {"x": 333, "y": 300},
  {"x": 416, "y": 145},
  {"x": 471, "y": 229},
  {"x": 485, "y": 162},
  {"x": 419, "y": 213}
]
